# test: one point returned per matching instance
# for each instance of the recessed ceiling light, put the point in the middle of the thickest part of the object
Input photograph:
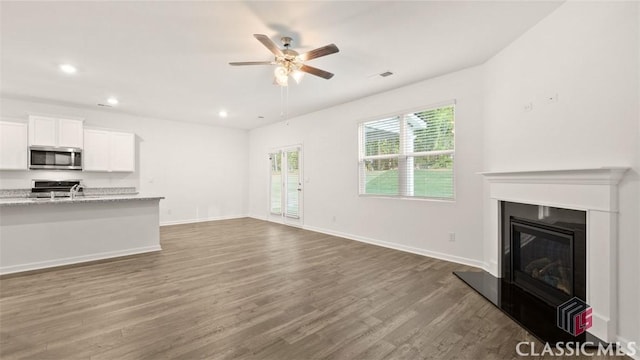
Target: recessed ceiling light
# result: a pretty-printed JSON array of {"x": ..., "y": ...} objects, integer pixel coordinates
[
  {"x": 222, "y": 114},
  {"x": 68, "y": 69},
  {"x": 112, "y": 101}
]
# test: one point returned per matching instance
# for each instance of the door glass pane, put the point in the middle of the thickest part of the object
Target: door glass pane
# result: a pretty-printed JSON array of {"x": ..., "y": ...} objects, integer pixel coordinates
[
  {"x": 276, "y": 183},
  {"x": 293, "y": 183}
]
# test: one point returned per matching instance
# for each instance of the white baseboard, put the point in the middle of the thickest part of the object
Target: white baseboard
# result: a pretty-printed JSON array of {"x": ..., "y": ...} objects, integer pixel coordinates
[
  {"x": 259, "y": 217},
  {"x": 400, "y": 247},
  {"x": 491, "y": 267},
  {"x": 631, "y": 348},
  {"x": 191, "y": 221},
  {"x": 434, "y": 254},
  {"x": 77, "y": 259}
]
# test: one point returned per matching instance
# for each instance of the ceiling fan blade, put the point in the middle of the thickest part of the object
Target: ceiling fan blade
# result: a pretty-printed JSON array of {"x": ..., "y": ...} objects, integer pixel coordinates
[
  {"x": 319, "y": 52},
  {"x": 315, "y": 71},
  {"x": 251, "y": 63},
  {"x": 264, "y": 39}
]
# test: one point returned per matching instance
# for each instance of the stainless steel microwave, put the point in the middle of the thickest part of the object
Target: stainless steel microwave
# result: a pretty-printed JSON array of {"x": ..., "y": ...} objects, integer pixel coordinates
[{"x": 55, "y": 158}]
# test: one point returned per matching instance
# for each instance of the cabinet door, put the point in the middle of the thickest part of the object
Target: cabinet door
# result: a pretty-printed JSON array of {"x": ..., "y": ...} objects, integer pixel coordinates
[
  {"x": 42, "y": 131},
  {"x": 13, "y": 146},
  {"x": 96, "y": 150},
  {"x": 123, "y": 150},
  {"x": 70, "y": 133}
]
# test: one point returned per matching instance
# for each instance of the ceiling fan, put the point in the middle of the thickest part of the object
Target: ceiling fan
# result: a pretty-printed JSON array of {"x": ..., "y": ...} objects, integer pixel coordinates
[{"x": 289, "y": 62}]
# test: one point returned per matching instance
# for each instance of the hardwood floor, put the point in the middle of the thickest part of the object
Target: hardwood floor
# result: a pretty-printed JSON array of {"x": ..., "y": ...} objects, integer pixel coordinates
[{"x": 251, "y": 289}]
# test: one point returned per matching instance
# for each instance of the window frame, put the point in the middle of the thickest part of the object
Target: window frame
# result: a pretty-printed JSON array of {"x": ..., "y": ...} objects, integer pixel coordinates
[{"x": 404, "y": 155}]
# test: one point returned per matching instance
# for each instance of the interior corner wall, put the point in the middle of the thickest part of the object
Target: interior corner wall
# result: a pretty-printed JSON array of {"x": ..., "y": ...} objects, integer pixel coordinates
[
  {"x": 330, "y": 166},
  {"x": 199, "y": 169},
  {"x": 584, "y": 56}
]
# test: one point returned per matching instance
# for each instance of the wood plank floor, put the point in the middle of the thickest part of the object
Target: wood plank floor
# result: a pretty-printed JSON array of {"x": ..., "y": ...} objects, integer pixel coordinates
[{"x": 250, "y": 289}]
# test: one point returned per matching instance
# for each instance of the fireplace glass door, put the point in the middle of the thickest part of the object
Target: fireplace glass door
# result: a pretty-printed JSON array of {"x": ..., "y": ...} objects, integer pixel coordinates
[{"x": 542, "y": 260}]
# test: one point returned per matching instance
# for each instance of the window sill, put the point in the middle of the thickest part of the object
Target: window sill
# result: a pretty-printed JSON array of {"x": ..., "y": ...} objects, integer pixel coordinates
[{"x": 410, "y": 198}]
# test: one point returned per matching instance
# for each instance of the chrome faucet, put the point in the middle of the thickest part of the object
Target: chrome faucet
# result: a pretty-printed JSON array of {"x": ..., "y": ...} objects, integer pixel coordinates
[{"x": 74, "y": 190}]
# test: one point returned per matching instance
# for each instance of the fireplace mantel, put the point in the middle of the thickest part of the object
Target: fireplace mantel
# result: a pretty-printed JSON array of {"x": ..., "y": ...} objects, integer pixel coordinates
[
  {"x": 595, "y": 176},
  {"x": 592, "y": 190}
]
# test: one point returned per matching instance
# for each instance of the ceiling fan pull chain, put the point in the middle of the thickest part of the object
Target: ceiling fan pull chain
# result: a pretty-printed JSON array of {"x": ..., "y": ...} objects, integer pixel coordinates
[{"x": 282, "y": 102}]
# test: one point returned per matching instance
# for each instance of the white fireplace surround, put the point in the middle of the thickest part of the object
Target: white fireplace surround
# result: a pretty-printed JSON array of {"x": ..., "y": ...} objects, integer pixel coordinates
[{"x": 592, "y": 190}]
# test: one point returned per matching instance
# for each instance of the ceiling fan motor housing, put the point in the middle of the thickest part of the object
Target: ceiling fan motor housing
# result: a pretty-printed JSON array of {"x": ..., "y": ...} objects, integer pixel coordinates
[{"x": 286, "y": 41}]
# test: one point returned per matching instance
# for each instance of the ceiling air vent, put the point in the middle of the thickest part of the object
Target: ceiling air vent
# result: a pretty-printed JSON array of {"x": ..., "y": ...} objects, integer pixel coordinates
[
  {"x": 386, "y": 73},
  {"x": 105, "y": 105}
]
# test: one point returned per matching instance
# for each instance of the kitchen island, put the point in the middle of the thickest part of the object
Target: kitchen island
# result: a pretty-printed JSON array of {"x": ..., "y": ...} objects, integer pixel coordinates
[{"x": 42, "y": 233}]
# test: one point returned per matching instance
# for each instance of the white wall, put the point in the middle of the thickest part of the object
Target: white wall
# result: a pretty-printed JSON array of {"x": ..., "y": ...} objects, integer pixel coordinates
[
  {"x": 587, "y": 53},
  {"x": 330, "y": 141},
  {"x": 200, "y": 169}
]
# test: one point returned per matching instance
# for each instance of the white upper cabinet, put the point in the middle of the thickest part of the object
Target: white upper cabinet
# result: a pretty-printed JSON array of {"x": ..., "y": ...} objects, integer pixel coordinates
[
  {"x": 123, "y": 152},
  {"x": 13, "y": 146},
  {"x": 109, "y": 151},
  {"x": 96, "y": 150},
  {"x": 70, "y": 133},
  {"x": 43, "y": 131},
  {"x": 48, "y": 131}
]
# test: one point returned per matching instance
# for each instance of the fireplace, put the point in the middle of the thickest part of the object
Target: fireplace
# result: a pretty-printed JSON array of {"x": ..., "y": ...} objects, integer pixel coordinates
[
  {"x": 544, "y": 251},
  {"x": 594, "y": 279}
]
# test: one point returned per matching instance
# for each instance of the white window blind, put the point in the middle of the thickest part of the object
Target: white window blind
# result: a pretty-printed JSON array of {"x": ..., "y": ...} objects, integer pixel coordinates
[{"x": 409, "y": 155}]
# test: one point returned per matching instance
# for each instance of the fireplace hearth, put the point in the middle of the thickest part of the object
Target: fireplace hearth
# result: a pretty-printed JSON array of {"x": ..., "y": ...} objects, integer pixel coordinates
[{"x": 536, "y": 316}]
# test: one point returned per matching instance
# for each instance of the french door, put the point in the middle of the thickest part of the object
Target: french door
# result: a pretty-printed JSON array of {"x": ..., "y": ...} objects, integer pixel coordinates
[{"x": 285, "y": 185}]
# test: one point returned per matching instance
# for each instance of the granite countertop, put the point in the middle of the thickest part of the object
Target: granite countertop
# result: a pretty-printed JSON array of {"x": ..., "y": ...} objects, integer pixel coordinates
[{"x": 79, "y": 199}]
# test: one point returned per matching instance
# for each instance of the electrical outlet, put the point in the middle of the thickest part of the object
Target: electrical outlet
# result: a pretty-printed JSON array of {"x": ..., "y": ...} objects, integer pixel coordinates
[
  {"x": 527, "y": 107},
  {"x": 333, "y": 219},
  {"x": 168, "y": 211},
  {"x": 452, "y": 236}
]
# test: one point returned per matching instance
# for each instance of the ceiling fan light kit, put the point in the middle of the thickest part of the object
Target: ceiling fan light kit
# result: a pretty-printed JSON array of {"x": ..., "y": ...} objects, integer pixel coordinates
[
  {"x": 289, "y": 62},
  {"x": 281, "y": 76}
]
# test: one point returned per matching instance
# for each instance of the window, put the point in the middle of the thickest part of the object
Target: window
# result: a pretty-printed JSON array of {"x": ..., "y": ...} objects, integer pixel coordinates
[{"x": 409, "y": 155}]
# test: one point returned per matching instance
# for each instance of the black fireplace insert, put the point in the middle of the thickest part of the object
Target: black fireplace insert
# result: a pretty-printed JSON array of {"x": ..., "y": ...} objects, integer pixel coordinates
[{"x": 544, "y": 251}]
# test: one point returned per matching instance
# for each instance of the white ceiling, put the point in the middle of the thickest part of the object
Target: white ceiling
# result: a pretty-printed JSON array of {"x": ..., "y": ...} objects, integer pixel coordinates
[{"x": 170, "y": 59}]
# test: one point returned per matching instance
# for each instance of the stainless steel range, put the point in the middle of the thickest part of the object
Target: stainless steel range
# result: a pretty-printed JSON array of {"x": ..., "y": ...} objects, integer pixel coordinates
[{"x": 54, "y": 188}]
